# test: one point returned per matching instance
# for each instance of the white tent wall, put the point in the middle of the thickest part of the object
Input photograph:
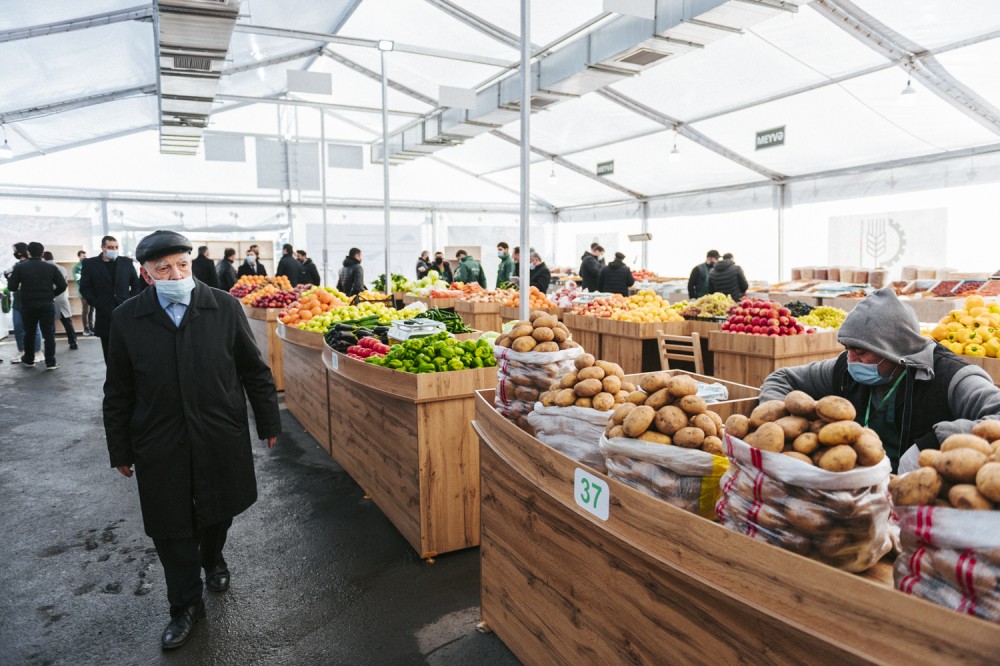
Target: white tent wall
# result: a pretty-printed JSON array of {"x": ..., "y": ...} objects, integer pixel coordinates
[
  {"x": 485, "y": 230},
  {"x": 575, "y": 238}
]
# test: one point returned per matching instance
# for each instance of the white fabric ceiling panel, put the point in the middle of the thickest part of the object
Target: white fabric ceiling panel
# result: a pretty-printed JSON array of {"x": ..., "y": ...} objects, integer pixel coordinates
[
  {"x": 76, "y": 64},
  {"x": 24, "y": 13},
  {"x": 373, "y": 121},
  {"x": 260, "y": 82},
  {"x": 586, "y": 121},
  {"x": 296, "y": 14},
  {"x": 643, "y": 165},
  {"x": 351, "y": 87},
  {"x": 246, "y": 48},
  {"x": 420, "y": 24},
  {"x": 550, "y": 20},
  {"x": 932, "y": 23},
  {"x": 568, "y": 188},
  {"x": 92, "y": 121},
  {"x": 967, "y": 66},
  {"x": 483, "y": 154},
  {"x": 247, "y": 118}
]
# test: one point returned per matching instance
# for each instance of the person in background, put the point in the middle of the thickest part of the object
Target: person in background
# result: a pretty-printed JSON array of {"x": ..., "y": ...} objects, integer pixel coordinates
[
  {"x": 20, "y": 254},
  {"x": 590, "y": 267},
  {"x": 204, "y": 268},
  {"x": 182, "y": 368},
  {"x": 226, "y": 271},
  {"x": 698, "y": 282},
  {"x": 88, "y": 310},
  {"x": 107, "y": 281},
  {"x": 288, "y": 265},
  {"x": 38, "y": 283},
  {"x": 63, "y": 309},
  {"x": 442, "y": 267},
  {"x": 910, "y": 390},
  {"x": 352, "y": 276},
  {"x": 251, "y": 265},
  {"x": 540, "y": 275},
  {"x": 423, "y": 264},
  {"x": 505, "y": 269},
  {"x": 469, "y": 270},
  {"x": 727, "y": 278},
  {"x": 310, "y": 274},
  {"x": 616, "y": 277}
]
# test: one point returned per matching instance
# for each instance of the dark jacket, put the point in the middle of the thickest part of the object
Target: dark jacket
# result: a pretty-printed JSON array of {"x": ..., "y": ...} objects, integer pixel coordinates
[
  {"x": 247, "y": 269},
  {"x": 106, "y": 290},
  {"x": 540, "y": 277},
  {"x": 698, "y": 282},
  {"x": 175, "y": 407},
  {"x": 727, "y": 278},
  {"x": 289, "y": 267},
  {"x": 470, "y": 270},
  {"x": 352, "y": 277},
  {"x": 615, "y": 278},
  {"x": 226, "y": 273},
  {"x": 309, "y": 274},
  {"x": 444, "y": 270},
  {"x": 203, "y": 269},
  {"x": 422, "y": 267},
  {"x": 590, "y": 271},
  {"x": 36, "y": 281}
]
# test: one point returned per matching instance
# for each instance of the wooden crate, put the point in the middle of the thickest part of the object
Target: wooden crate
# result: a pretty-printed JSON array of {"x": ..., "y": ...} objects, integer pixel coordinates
[
  {"x": 264, "y": 325},
  {"x": 307, "y": 392},
  {"x": 655, "y": 584},
  {"x": 633, "y": 346},
  {"x": 409, "y": 299},
  {"x": 749, "y": 359},
  {"x": 933, "y": 309},
  {"x": 512, "y": 313},
  {"x": 408, "y": 441},
  {"x": 585, "y": 331},
  {"x": 990, "y": 365},
  {"x": 480, "y": 316}
]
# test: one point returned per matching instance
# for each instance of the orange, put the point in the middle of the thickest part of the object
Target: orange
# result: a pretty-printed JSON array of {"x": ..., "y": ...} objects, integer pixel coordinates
[{"x": 305, "y": 315}]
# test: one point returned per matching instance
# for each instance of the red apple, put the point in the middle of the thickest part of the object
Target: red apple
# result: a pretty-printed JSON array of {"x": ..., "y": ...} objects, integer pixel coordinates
[
  {"x": 773, "y": 321},
  {"x": 784, "y": 312},
  {"x": 756, "y": 330}
]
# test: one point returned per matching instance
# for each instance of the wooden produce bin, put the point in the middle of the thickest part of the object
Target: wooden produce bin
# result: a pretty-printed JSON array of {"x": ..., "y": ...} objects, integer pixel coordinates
[
  {"x": 306, "y": 388},
  {"x": 513, "y": 313},
  {"x": 749, "y": 359},
  {"x": 585, "y": 331},
  {"x": 264, "y": 324},
  {"x": 409, "y": 299},
  {"x": 990, "y": 365},
  {"x": 480, "y": 316},
  {"x": 933, "y": 309},
  {"x": 633, "y": 346},
  {"x": 408, "y": 441},
  {"x": 786, "y": 297},
  {"x": 654, "y": 584}
]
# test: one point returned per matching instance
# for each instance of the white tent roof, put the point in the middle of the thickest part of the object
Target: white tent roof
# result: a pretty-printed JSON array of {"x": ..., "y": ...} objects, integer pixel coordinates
[{"x": 80, "y": 83}]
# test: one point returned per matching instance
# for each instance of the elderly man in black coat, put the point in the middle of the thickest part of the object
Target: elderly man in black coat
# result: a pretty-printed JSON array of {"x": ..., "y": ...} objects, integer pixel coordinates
[{"x": 181, "y": 365}]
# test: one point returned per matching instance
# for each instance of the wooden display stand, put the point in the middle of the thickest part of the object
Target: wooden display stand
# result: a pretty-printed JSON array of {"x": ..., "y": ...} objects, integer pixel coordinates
[
  {"x": 407, "y": 440},
  {"x": 632, "y": 345},
  {"x": 264, "y": 325},
  {"x": 513, "y": 313},
  {"x": 933, "y": 309},
  {"x": 480, "y": 316},
  {"x": 409, "y": 299},
  {"x": 585, "y": 331},
  {"x": 655, "y": 584},
  {"x": 307, "y": 393},
  {"x": 990, "y": 365},
  {"x": 65, "y": 256},
  {"x": 749, "y": 359}
]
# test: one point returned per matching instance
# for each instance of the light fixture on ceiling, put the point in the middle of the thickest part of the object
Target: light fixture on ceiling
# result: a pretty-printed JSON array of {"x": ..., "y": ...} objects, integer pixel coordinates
[
  {"x": 386, "y": 45},
  {"x": 908, "y": 96},
  {"x": 675, "y": 155},
  {"x": 552, "y": 170},
  {"x": 6, "y": 152}
]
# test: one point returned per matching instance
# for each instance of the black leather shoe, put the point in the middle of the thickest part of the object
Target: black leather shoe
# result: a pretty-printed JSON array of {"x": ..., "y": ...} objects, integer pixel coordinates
[
  {"x": 178, "y": 631},
  {"x": 218, "y": 579}
]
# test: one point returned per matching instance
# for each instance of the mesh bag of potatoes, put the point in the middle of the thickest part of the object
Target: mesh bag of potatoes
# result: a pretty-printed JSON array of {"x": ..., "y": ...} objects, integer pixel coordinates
[
  {"x": 804, "y": 476},
  {"x": 950, "y": 526},
  {"x": 572, "y": 414},
  {"x": 530, "y": 357},
  {"x": 665, "y": 442}
]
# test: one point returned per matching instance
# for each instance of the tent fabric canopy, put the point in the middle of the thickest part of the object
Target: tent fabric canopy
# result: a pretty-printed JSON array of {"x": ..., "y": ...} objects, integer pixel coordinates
[{"x": 830, "y": 73}]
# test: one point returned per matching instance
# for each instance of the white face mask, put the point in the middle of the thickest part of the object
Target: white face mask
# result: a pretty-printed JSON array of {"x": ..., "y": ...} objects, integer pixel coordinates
[
  {"x": 111, "y": 254},
  {"x": 175, "y": 290},
  {"x": 251, "y": 259}
]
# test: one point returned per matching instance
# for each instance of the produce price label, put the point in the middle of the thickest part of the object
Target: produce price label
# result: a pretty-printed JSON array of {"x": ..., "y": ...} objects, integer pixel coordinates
[
  {"x": 334, "y": 361},
  {"x": 591, "y": 494}
]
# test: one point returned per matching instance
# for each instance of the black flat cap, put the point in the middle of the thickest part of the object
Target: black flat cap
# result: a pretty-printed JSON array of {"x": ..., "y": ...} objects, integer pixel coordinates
[{"x": 161, "y": 244}]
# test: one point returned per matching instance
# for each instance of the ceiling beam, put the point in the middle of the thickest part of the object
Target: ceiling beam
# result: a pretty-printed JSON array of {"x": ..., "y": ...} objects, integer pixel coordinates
[
  {"x": 375, "y": 76},
  {"x": 686, "y": 131},
  {"x": 72, "y": 104},
  {"x": 78, "y": 144},
  {"x": 276, "y": 60},
  {"x": 572, "y": 167},
  {"x": 884, "y": 40},
  {"x": 477, "y": 23},
  {"x": 368, "y": 43},
  {"x": 316, "y": 105},
  {"x": 140, "y": 13}
]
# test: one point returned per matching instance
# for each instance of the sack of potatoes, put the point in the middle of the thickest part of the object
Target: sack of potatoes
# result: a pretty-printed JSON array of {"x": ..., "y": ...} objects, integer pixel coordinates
[
  {"x": 664, "y": 441},
  {"x": 805, "y": 477},
  {"x": 591, "y": 384},
  {"x": 521, "y": 376}
]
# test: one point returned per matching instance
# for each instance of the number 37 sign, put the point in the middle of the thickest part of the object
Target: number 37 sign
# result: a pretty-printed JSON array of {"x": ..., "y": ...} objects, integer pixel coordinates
[{"x": 591, "y": 493}]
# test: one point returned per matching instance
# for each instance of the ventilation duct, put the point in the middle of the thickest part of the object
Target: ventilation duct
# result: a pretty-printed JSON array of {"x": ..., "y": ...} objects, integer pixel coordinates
[{"x": 194, "y": 39}]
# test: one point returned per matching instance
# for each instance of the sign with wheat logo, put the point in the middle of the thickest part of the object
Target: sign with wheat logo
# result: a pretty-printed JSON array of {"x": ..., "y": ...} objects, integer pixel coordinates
[{"x": 876, "y": 236}]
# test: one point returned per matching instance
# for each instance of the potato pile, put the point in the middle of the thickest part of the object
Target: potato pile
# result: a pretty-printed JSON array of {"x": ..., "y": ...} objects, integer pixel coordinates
[
  {"x": 817, "y": 432},
  {"x": 963, "y": 474},
  {"x": 666, "y": 410},
  {"x": 593, "y": 384},
  {"x": 541, "y": 333}
]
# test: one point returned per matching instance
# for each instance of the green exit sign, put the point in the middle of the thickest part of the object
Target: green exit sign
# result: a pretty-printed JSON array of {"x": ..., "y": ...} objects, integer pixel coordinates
[
  {"x": 605, "y": 168},
  {"x": 771, "y": 138}
]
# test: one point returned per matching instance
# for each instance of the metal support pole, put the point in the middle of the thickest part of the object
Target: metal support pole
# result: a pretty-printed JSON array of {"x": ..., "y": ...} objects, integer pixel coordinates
[
  {"x": 645, "y": 230},
  {"x": 525, "y": 257},
  {"x": 104, "y": 217},
  {"x": 781, "y": 231},
  {"x": 385, "y": 169},
  {"x": 322, "y": 184}
]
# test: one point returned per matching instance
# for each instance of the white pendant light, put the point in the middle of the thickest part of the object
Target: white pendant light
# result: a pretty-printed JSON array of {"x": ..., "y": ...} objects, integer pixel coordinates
[
  {"x": 908, "y": 96},
  {"x": 675, "y": 155},
  {"x": 6, "y": 152},
  {"x": 552, "y": 171}
]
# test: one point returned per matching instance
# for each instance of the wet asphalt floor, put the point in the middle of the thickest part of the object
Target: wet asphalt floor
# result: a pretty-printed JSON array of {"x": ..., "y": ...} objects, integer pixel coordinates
[{"x": 319, "y": 575}]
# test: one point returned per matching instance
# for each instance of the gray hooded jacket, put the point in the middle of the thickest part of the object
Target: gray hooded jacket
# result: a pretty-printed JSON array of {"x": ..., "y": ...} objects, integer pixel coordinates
[{"x": 887, "y": 327}]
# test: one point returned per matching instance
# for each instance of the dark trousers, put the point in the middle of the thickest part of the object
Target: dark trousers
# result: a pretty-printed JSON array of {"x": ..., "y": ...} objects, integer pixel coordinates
[
  {"x": 183, "y": 560},
  {"x": 67, "y": 325},
  {"x": 104, "y": 346},
  {"x": 88, "y": 316},
  {"x": 34, "y": 314}
]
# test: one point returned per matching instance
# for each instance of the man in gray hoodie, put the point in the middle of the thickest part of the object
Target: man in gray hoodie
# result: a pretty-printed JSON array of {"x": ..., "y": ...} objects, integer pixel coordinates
[{"x": 913, "y": 392}]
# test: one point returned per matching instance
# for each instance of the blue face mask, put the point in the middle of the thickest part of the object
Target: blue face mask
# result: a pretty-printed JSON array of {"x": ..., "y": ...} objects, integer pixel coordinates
[
  {"x": 501, "y": 254},
  {"x": 175, "y": 290},
  {"x": 867, "y": 373},
  {"x": 112, "y": 254}
]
